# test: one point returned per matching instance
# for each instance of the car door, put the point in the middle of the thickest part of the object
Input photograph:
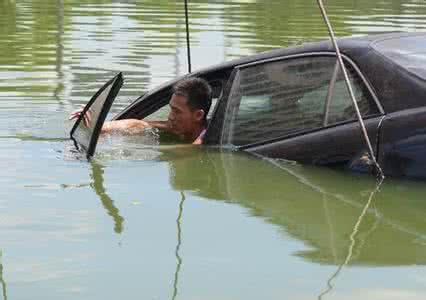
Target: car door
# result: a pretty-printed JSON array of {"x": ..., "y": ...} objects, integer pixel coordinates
[
  {"x": 86, "y": 130},
  {"x": 298, "y": 108},
  {"x": 403, "y": 143}
]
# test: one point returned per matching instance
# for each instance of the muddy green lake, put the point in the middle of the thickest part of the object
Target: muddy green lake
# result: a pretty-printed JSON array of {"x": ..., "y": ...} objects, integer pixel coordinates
[{"x": 145, "y": 221}]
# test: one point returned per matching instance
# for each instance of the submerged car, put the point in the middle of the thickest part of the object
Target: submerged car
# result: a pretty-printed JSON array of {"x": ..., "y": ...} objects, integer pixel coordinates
[{"x": 293, "y": 103}]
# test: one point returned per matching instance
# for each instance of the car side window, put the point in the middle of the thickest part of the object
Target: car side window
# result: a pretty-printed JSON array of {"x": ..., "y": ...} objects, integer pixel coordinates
[{"x": 279, "y": 98}]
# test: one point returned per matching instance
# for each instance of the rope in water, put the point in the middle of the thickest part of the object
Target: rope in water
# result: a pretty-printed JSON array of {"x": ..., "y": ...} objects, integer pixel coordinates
[
  {"x": 351, "y": 93},
  {"x": 179, "y": 242},
  {"x": 2, "y": 282},
  {"x": 355, "y": 231}
]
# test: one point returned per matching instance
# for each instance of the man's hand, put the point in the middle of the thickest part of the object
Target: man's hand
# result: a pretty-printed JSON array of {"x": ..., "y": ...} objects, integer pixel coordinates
[{"x": 87, "y": 119}]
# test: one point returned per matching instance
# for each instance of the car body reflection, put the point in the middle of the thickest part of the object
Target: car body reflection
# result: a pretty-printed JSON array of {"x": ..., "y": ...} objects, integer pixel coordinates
[{"x": 331, "y": 211}]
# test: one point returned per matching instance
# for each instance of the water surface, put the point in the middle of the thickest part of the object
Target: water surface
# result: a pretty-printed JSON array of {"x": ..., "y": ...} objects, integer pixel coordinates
[{"x": 144, "y": 221}]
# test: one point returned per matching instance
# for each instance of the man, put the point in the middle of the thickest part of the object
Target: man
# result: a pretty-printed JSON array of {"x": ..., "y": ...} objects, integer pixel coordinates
[{"x": 189, "y": 106}]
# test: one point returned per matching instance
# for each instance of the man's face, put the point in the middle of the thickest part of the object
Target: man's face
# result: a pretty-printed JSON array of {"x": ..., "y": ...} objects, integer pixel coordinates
[{"x": 183, "y": 120}]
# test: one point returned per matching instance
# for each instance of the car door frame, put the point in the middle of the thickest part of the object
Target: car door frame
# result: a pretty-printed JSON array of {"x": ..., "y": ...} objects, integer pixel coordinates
[{"x": 157, "y": 98}]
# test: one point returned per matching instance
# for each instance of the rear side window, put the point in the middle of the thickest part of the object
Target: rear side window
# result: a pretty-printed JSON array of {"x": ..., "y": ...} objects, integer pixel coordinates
[{"x": 275, "y": 99}]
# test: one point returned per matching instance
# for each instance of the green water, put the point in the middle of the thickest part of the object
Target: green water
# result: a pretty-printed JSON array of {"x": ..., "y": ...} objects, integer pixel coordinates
[{"x": 148, "y": 222}]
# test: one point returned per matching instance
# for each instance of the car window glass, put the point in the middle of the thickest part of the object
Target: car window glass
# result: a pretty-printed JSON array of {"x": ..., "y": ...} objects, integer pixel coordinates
[
  {"x": 278, "y": 98},
  {"x": 341, "y": 108}
]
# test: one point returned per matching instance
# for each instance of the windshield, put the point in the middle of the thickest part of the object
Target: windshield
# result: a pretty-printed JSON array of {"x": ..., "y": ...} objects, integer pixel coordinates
[{"x": 408, "y": 52}]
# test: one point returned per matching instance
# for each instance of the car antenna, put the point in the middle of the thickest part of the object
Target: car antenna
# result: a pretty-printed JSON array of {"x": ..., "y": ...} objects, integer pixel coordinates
[
  {"x": 188, "y": 48},
  {"x": 351, "y": 93}
]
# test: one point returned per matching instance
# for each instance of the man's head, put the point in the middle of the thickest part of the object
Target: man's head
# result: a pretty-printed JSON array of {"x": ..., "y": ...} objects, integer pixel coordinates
[{"x": 190, "y": 105}]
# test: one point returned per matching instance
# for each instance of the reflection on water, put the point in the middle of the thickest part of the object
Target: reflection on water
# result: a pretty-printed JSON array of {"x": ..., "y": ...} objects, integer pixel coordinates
[
  {"x": 98, "y": 185},
  {"x": 3, "y": 283},
  {"x": 345, "y": 220},
  {"x": 353, "y": 242},
  {"x": 329, "y": 210},
  {"x": 62, "y": 51},
  {"x": 179, "y": 242},
  {"x": 253, "y": 228}
]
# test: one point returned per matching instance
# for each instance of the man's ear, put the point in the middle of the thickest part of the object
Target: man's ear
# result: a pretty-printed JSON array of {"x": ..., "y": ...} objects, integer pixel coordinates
[{"x": 199, "y": 114}]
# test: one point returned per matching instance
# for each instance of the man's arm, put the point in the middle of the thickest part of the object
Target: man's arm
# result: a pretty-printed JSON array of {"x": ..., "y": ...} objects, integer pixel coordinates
[
  {"x": 132, "y": 126},
  {"x": 126, "y": 126}
]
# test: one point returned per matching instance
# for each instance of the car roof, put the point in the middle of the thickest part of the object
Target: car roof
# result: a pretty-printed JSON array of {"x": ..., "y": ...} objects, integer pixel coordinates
[
  {"x": 396, "y": 87},
  {"x": 351, "y": 46},
  {"x": 390, "y": 62}
]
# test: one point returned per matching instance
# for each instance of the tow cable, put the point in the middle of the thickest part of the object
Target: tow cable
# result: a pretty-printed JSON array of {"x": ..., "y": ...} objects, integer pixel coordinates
[{"x": 378, "y": 169}]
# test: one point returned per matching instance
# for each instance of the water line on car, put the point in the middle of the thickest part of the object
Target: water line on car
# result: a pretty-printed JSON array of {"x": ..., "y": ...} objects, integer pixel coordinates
[{"x": 351, "y": 93}]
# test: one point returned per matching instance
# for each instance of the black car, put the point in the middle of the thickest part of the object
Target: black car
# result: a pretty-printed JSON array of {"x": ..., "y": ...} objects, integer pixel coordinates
[{"x": 293, "y": 103}]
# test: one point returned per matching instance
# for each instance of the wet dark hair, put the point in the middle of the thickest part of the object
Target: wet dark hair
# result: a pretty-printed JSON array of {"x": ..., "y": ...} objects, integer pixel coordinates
[{"x": 198, "y": 93}]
